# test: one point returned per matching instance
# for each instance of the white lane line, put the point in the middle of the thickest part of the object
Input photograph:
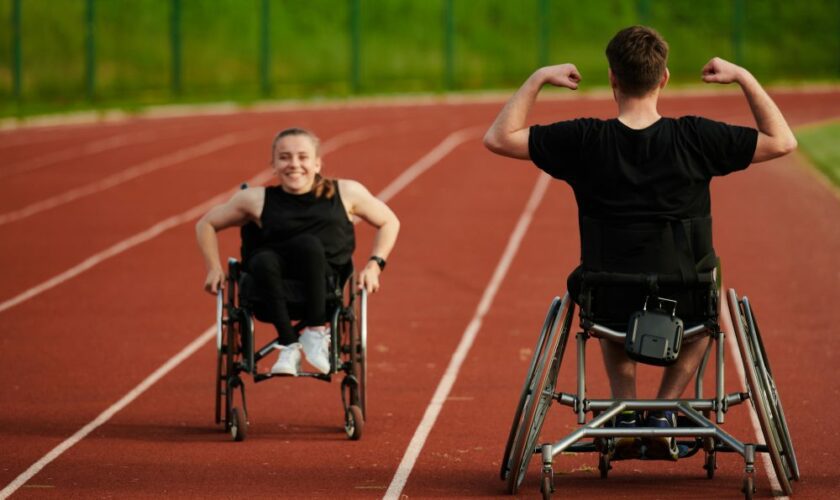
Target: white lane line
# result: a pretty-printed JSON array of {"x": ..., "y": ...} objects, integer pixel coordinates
[
  {"x": 128, "y": 174},
  {"x": 729, "y": 330},
  {"x": 106, "y": 415},
  {"x": 338, "y": 141},
  {"x": 331, "y": 145},
  {"x": 432, "y": 157},
  {"x": 77, "y": 151},
  {"x": 448, "y": 380}
]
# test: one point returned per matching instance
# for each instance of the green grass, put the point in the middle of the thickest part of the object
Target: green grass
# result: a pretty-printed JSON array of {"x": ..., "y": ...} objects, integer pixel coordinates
[
  {"x": 495, "y": 45},
  {"x": 820, "y": 143}
]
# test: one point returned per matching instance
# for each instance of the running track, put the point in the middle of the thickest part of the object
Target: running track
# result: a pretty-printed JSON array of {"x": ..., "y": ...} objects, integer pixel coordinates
[{"x": 102, "y": 287}]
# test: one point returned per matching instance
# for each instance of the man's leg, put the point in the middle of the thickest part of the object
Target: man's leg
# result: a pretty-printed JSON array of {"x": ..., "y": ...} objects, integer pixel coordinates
[
  {"x": 677, "y": 376},
  {"x": 621, "y": 370}
]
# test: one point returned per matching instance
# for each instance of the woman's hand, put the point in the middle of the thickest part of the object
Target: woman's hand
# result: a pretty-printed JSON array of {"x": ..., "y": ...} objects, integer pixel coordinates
[
  {"x": 215, "y": 281},
  {"x": 369, "y": 277}
]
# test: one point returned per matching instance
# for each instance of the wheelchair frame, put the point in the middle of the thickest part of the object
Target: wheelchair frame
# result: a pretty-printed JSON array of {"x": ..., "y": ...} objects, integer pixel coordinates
[
  {"x": 539, "y": 392},
  {"x": 236, "y": 355}
]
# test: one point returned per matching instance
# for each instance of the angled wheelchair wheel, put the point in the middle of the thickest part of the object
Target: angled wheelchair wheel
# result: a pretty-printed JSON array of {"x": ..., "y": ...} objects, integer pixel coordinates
[
  {"x": 538, "y": 395},
  {"x": 222, "y": 331},
  {"x": 359, "y": 349},
  {"x": 548, "y": 326},
  {"x": 762, "y": 391},
  {"x": 765, "y": 376}
]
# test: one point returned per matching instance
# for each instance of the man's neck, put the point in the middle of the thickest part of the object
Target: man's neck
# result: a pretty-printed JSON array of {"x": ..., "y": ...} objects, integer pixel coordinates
[{"x": 639, "y": 112}]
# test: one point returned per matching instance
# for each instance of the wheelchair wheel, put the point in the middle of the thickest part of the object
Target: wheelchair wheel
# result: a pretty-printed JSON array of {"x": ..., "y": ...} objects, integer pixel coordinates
[
  {"x": 777, "y": 414},
  {"x": 762, "y": 391},
  {"x": 359, "y": 349},
  {"x": 354, "y": 422},
  {"x": 238, "y": 424},
  {"x": 539, "y": 395},
  {"x": 548, "y": 325},
  {"x": 222, "y": 329}
]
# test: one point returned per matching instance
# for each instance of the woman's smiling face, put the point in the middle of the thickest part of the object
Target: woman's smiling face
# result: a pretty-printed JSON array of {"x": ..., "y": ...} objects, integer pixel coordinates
[{"x": 296, "y": 162}]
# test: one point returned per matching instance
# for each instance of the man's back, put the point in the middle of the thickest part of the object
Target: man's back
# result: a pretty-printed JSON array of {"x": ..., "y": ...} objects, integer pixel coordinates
[{"x": 659, "y": 172}]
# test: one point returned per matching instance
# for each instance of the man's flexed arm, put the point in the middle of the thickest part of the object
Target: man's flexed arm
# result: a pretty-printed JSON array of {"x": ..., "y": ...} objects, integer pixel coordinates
[
  {"x": 508, "y": 136},
  {"x": 775, "y": 137}
]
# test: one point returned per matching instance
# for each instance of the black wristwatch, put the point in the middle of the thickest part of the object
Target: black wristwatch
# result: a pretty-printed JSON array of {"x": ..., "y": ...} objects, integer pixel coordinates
[{"x": 379, "y": 262}]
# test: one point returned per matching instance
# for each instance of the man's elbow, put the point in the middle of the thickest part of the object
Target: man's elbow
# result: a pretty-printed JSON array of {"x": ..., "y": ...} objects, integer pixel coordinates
[
  {"x": 493, "y": 142},
  {"x": 789, "y": 145}
]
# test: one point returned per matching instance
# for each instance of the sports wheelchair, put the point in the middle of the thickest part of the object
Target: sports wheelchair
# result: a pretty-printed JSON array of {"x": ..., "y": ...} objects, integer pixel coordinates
[
  {"x": 237, "y": 307},
  {"x": 699, "y": 419}
]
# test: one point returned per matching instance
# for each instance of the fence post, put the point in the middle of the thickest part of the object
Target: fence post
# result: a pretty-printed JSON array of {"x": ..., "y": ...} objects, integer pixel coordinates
[
  {"x": 643, "y": 11},
  {"x": 738, "y": 31},
  {"x": 16, "y": 52},
  {"x": 355, "y": 48},
  {"x": 90, "y": 50},
  {"x": 448, "y": 44},
  {"x": 265, "y": 48},
  {"x": 175, "y": 39},
  {"x": 543, "y": 14}
]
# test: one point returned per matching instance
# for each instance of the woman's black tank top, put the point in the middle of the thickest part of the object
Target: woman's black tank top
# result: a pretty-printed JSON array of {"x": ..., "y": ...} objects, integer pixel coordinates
[{"x": 287, "y": 215}]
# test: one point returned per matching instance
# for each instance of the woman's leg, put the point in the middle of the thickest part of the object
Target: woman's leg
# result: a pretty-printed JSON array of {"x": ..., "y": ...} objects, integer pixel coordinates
[
  {"x": 305, "y": 254},
  {"x": 266, "y": 266}
]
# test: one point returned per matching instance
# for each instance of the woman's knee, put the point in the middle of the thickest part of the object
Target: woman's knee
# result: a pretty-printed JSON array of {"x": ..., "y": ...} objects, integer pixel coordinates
[{"x": 266, "y": 262}]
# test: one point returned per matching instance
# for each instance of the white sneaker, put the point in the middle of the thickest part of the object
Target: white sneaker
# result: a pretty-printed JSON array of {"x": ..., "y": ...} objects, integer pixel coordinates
[
  {"x": 288, "y": 363},
  {"x": 316, "y": 347}
]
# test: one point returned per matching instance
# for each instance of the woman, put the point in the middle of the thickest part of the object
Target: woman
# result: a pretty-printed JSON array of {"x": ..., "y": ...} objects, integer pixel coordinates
[{"x": 303, "y": 230}]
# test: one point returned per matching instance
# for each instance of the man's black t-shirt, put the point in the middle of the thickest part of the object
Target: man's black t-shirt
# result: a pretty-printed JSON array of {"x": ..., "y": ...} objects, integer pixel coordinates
[
  {"x": 628, "y": 181},
  {"x": 664, "y": 170}
]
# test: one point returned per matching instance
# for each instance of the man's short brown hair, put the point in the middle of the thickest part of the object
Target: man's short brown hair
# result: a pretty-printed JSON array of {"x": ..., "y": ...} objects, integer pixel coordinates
[{"x": 637, "y": 56}]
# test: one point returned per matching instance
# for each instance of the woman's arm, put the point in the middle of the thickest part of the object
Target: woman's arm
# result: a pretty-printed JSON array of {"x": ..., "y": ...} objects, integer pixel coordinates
[
  {"x": 243, "y": 207},
  {"x": 361, "y": 203}
]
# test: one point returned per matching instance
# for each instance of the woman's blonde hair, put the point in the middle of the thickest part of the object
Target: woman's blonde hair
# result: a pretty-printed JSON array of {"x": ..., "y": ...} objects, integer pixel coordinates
[{"x": 322, "y": 186}]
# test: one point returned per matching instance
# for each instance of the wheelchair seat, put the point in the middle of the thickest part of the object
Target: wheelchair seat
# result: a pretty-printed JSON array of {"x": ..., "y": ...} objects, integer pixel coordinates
[{"x": 625, "y": 262}]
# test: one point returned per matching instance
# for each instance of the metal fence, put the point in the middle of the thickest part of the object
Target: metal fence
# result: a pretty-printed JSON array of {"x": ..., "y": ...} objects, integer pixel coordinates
[{"x": 66, "y": 51}]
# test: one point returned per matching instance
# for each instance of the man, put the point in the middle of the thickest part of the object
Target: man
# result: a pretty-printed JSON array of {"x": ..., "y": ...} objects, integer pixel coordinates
[{"x": 640, "y": 168}]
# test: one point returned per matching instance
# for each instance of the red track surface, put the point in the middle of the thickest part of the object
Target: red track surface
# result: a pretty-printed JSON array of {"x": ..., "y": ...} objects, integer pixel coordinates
[{"x": 72, "y": 351}]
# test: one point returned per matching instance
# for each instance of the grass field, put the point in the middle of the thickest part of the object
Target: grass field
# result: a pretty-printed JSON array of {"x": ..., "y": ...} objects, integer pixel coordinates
[
  {"x": 403, "y": 46},
  {"x": 820, "y": 144}
]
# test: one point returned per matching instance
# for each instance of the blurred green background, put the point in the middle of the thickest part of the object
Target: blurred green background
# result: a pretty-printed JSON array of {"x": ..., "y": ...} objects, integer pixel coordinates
[{"x": 58, "y": 55}]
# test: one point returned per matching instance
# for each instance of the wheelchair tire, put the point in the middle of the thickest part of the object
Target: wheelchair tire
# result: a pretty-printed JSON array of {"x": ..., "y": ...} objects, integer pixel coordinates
[
  {"x": 548, "y": 325},
  {"x": 760, "y": 391},
  {"x": 354, "y": 422},
  {"x": 539, "y": 395},
  {"x": 765, "y": 376},
  {"x": 238, "y": 424},
  {"x": 359, "y": 347}
]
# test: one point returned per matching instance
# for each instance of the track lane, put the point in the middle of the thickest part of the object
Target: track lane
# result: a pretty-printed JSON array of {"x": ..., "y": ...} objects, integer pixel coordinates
[
  {"x": 304, "y": 429},
  {"x": 191, "y": 290},
  {"x": 474, "y": 449}
]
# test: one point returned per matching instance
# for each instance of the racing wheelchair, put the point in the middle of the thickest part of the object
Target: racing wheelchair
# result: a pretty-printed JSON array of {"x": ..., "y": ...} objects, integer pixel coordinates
[
  {"x": 656, "y": 341},
  {"x": 237, "y": 308}
]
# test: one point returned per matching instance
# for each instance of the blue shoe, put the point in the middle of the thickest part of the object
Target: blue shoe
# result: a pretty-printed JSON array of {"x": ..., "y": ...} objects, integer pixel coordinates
[
  {"x": 627, "y": 447},
  {"x": 662, "y": 448}
]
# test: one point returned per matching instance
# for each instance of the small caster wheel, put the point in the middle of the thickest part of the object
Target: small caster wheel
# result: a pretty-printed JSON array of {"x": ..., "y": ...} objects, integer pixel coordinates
[
  {"x": 710, "y": 465},
  {"x": 547, "y": 487},
  {"x": 748, "y": 488},
  {"x": 604, "y": 465},
  {"x": 354, "y": 422},
  {"x": 238, "y": 425}
]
